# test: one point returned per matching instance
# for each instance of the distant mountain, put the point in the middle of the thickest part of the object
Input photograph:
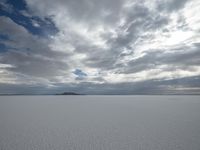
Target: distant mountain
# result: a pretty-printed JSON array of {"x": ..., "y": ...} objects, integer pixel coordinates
[{"x": 69, "y": 93}]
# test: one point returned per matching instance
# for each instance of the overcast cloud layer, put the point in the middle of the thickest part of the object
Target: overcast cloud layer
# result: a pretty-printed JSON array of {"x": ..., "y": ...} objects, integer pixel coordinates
[{"x": 100, "y": 47}]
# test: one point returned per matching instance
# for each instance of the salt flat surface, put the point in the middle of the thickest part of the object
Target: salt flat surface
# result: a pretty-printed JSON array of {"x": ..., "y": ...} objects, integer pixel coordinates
[{"x": 100, "y": 123}]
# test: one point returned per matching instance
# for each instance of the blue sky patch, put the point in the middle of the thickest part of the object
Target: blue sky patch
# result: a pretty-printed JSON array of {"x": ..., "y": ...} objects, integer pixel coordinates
[
  {"x": 34, "y": 24},
  {"x": 3, "y": 48},
  {"x": 3, "y": 37},
  {"x": 17, "y": 4},
  {"x": 80, "y": 74}
]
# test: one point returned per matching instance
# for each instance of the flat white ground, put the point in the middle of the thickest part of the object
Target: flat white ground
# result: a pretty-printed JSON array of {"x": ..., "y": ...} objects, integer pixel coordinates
[{"x": 100, "y": 122}]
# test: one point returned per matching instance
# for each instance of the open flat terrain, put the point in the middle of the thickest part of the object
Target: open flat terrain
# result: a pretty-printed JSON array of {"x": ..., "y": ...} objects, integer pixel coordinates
[{"x": 99, "y": 122}]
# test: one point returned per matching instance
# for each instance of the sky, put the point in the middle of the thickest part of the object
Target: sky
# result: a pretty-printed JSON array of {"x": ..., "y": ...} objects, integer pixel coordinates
[{"x": 100, "y": 46}]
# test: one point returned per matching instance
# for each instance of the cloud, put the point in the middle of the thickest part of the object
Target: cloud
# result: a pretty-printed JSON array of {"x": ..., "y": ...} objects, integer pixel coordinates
[
  {"x": 187, "y": 85},
  {"x": 171, "y": 5},
  {"x": 111, "y": 42},
  {"x": 29, "y": 54}
]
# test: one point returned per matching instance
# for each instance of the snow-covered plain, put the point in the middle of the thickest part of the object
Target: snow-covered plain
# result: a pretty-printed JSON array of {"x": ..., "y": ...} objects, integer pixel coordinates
[{"x": 99, "y": 122}]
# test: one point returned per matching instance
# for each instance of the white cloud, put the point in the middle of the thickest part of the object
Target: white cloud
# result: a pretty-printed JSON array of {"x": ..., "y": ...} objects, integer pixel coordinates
[
  {"x": 143, "y": 30},
  {"x": 113, "y": 41}
]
